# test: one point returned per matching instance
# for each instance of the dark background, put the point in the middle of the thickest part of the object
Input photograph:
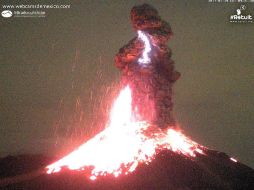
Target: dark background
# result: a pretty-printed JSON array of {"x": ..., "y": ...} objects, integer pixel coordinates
[{"x": 56, "y": 74}]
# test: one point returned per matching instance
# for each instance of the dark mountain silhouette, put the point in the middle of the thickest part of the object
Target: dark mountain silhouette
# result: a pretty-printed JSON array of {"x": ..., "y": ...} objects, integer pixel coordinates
[{"x": 169, "y": 171}]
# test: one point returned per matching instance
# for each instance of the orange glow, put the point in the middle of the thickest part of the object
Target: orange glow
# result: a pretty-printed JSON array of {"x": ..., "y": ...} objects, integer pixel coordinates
[
  {"x": 124, "y": 144},
  {"x": 233, "y": 159}
]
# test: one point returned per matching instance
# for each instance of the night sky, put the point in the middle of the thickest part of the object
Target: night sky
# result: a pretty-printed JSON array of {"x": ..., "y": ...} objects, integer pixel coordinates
[{"x": 55, "y": 73}]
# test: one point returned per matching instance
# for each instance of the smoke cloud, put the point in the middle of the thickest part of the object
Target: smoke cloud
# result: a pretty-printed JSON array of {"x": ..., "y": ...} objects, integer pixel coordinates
[{"x": 151, "y": 83}]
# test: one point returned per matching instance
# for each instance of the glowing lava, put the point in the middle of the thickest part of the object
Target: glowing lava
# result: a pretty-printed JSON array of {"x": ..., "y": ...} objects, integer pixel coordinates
[
  {"x": 124, "y": 144},
  {"x": 233, "y": 159}
]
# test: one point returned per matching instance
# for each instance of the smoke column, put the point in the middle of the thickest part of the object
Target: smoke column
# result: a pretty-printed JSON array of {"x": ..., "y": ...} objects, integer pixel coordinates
[{"x": 146, "y": 66}]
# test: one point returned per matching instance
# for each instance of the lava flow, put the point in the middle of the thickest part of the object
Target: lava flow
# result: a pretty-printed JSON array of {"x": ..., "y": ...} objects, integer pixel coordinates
[{"x": 124, "y": 144}]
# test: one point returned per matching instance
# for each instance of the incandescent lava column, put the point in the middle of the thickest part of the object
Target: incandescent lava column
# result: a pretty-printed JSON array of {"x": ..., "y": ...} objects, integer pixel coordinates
[{"x": 146, "y": 66}]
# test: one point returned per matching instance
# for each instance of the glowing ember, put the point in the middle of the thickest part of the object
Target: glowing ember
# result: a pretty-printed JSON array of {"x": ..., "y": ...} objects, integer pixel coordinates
[
  {"x": 124, "y": 144},
  {"x": 233, "y": 159},
  {"x": 145, "y": 58}
]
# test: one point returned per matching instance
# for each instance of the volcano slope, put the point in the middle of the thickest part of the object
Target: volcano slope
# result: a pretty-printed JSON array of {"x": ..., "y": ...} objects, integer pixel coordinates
[{"x": 168, "y": 170}]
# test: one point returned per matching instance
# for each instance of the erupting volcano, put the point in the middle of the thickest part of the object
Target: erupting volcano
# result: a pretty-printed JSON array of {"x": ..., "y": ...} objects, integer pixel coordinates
[
  {"x": 141, "y": 147},
  {"x": 124, "y": 144},
  {"x": 141, "y": 123}
]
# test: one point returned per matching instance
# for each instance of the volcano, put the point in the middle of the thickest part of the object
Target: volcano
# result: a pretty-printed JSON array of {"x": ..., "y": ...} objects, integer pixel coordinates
[
  {"x": 168, "y": 171},
  {"x": 142, "y": 146}
]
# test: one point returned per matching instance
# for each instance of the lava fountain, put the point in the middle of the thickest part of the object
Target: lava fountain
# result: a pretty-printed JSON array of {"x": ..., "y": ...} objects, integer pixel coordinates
[{"x": 140, "y": 123}]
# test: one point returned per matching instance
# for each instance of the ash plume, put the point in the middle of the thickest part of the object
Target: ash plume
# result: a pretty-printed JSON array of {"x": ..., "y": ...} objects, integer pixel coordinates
[{"x": 152, "y": 80}]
